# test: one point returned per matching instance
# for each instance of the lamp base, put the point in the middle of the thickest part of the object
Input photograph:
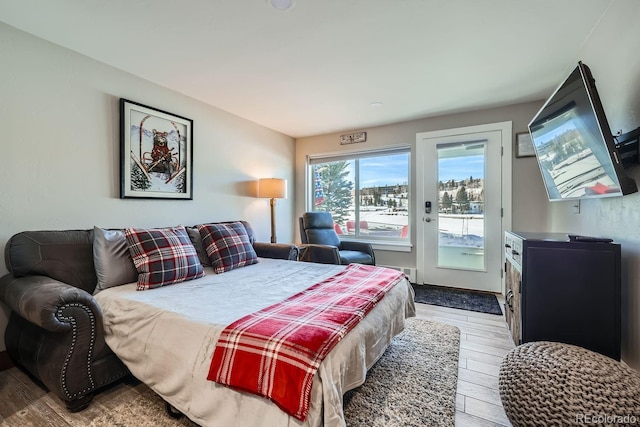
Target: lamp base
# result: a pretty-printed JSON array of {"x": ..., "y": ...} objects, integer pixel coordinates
[{"x": 274, "y": 239}]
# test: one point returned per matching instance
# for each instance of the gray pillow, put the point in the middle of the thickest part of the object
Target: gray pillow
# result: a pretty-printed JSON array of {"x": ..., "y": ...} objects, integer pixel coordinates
[
  {"x": 112, "y": 260},
  {"x": 196, "y": 239}
]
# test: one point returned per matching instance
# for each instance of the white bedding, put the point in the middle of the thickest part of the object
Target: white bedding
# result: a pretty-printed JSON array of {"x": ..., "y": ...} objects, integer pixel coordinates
[{"x": 166, "y": 337}]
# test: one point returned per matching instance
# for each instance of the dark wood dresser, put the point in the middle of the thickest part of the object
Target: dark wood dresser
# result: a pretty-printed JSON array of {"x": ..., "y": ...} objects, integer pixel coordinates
[{"x": 563, "y": 290}]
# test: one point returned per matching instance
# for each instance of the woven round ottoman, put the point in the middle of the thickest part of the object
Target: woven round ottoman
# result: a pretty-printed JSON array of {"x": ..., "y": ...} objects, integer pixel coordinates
[{"x": 552, "y": 384}]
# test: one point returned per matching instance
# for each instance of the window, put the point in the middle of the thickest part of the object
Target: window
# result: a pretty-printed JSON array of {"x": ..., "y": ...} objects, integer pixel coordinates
[{"x": 367, "y": 193}]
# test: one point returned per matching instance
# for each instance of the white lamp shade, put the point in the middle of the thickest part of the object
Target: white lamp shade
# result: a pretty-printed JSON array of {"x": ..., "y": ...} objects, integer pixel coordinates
[{"x": 275, "y": 188}]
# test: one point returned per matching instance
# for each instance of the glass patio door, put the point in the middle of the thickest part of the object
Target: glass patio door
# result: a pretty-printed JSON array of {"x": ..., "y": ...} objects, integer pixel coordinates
[
  {"x": 460, "y": 194},
  {"x": 460, "y": 206}
]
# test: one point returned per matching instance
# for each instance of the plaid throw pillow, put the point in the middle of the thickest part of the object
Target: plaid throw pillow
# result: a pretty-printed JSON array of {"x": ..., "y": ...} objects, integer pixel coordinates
[
  {"x": 163, "y": 256},
  {"x": 227, "y": 245}
]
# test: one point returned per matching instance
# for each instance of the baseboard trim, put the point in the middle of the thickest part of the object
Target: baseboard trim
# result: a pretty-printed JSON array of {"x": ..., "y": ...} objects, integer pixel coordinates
[{"x": 5, "y": 361}]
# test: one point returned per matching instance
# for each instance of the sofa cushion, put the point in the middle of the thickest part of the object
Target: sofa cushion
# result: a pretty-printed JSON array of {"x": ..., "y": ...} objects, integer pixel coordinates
[
  {"x": 112, "y": 259},
  {"x": 227, "y": 245},
  {"x": 66, "y": 256},
  {"x": 163, "y": 256},
  {"x": 196, "y": 239}
]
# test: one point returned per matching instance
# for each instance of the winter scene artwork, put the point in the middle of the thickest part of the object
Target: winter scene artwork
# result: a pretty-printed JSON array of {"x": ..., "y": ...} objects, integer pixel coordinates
[{"x": 156, "y": 158}]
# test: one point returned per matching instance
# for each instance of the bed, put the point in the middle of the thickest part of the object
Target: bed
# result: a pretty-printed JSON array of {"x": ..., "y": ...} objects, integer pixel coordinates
[{"x": 166, "y": 337}]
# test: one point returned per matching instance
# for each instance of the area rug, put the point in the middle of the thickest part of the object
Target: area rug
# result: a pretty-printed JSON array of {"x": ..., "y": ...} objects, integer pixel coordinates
[
  {"x": 482, "y": 302},
  {"x": 413, "y": 384}
]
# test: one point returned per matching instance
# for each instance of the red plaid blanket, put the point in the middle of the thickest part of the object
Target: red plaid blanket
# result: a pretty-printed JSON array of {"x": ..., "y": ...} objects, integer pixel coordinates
[{"x": 276, "y": 352}]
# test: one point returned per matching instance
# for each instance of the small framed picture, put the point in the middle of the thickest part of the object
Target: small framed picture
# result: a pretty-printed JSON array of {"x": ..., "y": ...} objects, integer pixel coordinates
[
  {"x": 156, "y": 153},
  {"x": 524, "y": 145}
]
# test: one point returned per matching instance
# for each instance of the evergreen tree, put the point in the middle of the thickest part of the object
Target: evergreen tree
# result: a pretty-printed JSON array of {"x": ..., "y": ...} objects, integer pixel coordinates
[
  {"x": 463, "y": 200},
  {"x": 181, "y": 185},
  {"x": 337, "y": 189},
  {"x": 377, "y": 197},
  {"x": 446, "y": 201},
  {"x": 139, "y": 180}
]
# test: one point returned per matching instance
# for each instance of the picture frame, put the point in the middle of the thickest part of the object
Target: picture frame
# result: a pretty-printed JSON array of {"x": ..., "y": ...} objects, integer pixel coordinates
[
  {"x": 352, "y": 138},
  {"x": 524, "y": 145},
  {"x": 156, "y": 153}
]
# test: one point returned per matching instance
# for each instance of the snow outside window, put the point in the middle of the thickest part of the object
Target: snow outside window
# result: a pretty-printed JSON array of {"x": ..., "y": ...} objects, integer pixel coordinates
[{"x": 367, "y": 193}]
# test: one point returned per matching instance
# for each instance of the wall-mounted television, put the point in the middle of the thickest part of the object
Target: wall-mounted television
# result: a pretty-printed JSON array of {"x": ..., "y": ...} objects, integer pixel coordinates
[{"x": 574, "y": 145}]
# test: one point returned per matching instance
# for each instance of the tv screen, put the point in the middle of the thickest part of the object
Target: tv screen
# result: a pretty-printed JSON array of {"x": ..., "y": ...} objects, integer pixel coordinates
[{"x": 574, "y": 144}]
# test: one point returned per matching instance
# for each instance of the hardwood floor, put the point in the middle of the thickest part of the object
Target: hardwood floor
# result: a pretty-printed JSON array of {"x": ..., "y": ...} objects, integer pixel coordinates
[{"x": 484, "y": 340}]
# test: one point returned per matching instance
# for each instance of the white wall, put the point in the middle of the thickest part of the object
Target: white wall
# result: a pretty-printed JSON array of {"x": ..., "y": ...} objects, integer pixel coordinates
[
  {"x": 59, "y": 125},
  {"x": 616, "y": 69}
]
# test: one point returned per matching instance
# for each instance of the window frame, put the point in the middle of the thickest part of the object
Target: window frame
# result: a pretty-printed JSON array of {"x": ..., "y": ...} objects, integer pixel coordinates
[{"x": 402, "y": 244}]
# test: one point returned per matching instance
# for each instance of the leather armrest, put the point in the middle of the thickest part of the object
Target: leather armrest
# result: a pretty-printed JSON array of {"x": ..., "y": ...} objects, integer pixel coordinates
[
  {"x": 56, "y": 332},
  {"x": 276, "y": 250},
  {"x": 323, "y": 254},
  {"x": 44, "y": 301}
]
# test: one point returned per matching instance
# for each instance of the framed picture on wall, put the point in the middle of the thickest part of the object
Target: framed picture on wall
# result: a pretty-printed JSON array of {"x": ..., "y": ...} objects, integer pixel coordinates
[
  {"x": 156, "y": 153},
  {"x": 524, "y": 145}
]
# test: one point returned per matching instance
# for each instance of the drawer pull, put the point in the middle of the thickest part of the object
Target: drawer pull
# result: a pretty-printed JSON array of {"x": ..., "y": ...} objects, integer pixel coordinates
[{"x": 509, "y": 300}]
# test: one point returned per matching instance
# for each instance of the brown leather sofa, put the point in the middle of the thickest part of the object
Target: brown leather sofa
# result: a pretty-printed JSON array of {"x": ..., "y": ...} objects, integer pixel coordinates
[{"x": 55, "y": 330}]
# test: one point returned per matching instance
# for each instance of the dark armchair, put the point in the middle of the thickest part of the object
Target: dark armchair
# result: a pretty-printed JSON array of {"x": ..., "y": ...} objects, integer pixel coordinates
[{"x": 321, "y": 244}]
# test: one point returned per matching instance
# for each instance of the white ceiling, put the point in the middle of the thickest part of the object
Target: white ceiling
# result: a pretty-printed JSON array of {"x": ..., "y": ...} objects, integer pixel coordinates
[{"x": 317, "y": 68}]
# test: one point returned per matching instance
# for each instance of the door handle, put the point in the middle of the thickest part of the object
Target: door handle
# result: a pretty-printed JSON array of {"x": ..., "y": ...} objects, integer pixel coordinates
[{"x": 427, "y": 219}]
